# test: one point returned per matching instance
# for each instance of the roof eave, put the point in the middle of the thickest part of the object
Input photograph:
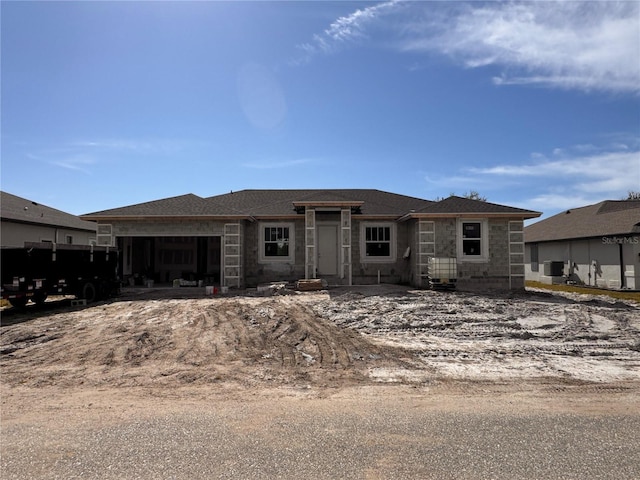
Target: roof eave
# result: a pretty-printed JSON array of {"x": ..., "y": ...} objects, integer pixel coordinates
[
  {"x": 45, "y": 224},
  {"x": 572, "y": 239},
  {"x": 129, "y": 218},
  {"x": 522, "y": 215},
  {"x": 329, "y": 203}
]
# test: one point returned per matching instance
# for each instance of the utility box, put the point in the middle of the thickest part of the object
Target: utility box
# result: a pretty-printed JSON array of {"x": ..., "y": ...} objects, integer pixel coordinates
[
  {"x": 443, "y": 272},
  {"x": 553, "y": 268}
]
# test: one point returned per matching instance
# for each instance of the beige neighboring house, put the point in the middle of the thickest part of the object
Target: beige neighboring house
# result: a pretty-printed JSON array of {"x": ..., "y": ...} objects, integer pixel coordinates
[
  {"x": 343, "y": 236},
  {"x": 596, "y": 245},
  {"x": 23, "y": 220}
]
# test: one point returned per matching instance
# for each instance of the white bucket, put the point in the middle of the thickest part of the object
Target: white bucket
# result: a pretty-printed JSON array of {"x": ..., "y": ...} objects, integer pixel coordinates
[
  {"x": 224, "y": 289},
  {"x": 208, "y": 290}
]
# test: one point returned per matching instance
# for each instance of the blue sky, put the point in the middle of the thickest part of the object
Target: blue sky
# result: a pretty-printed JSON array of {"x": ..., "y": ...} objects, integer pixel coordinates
[{"x": 106, "y": 104}]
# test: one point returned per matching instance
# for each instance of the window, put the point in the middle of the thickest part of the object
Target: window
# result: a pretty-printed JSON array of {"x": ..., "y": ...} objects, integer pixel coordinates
[
  {"x": 276, "y": 242},
  {"x": 378, "y": 242},
  {"x": 68, "y": 239},
  {"x": 473, "y": 240},
  {"x": 104, "y": 234},
  {"x": 535, "y": 266}
]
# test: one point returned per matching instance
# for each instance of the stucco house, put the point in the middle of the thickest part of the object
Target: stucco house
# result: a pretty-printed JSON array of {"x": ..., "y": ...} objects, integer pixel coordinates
[
  {"x": 597, "y": 245},
  {"x": 344, "y": 236},
  {"x": 24, "y": 220}
]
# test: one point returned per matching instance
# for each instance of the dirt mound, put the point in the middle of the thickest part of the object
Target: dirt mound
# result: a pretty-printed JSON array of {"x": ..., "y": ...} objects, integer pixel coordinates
[
  {"x": 154, "y": 342},
  {"x": 335, "y": 337}
]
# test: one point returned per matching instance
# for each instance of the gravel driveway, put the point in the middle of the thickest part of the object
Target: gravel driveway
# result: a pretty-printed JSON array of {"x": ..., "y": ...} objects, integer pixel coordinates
[{"x": 358, "y": 433}]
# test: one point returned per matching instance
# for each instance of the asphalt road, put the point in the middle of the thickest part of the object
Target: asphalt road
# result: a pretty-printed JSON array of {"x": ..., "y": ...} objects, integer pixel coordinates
[{"x": 394, "y": 436}]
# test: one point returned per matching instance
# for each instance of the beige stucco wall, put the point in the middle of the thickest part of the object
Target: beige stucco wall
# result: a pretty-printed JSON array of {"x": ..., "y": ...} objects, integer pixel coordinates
[
  {"x": 15, "y": 234},
  {"x": 594, "y": 262}
]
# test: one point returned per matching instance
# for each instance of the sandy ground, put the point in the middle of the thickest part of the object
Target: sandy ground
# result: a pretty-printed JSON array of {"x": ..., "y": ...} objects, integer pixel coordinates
[{"x": 80, "y": 382}]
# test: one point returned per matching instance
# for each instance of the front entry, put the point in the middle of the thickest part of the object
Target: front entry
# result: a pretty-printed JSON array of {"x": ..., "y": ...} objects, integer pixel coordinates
[{"x": 327, "y": 250}]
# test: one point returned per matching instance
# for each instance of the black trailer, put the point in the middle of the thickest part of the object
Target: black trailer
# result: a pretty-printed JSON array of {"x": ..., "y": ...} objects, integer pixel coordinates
[{"x": 40, "y": 269}]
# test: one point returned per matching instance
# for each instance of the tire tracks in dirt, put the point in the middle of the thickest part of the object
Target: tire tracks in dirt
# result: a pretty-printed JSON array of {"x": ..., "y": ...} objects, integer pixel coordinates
[
  {"x": 413, "y": 337},
  {"x": 249, "y": 340}
]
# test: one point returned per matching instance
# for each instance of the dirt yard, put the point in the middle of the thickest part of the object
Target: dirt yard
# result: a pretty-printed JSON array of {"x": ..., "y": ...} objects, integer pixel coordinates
[
  {"x": 332, "y": 338},
  {"x": 68, "y": 373}
]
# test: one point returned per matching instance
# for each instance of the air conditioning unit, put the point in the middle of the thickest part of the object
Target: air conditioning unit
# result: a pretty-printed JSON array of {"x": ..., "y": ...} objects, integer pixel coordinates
[{"x": 553, "y": 269}]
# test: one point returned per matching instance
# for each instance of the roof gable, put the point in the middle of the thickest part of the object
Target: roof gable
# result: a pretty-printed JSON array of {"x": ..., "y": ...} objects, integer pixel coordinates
[
  {"x": 461, "y": 205},
  {"x": 18, "y": 209}
]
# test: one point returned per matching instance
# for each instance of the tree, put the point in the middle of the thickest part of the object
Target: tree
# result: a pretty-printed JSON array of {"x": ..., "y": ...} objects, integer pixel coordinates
[
  {"x": 474, "y": 195},
  {"x": 471, "y": 194},
  {"x": 633, "y": 195}
]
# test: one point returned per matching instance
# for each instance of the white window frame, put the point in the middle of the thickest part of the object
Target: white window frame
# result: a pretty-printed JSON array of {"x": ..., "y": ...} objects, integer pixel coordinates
[
  {"x": 484, "y": 240},
  {"x": 364, "y": 258},
  {"x": 262, "y": 258},
  {"x": 104, "y": 234}
]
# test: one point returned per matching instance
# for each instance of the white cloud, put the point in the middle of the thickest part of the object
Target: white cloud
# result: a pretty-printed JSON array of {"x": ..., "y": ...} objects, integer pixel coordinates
[
  {"x": 78, "y": 163},
  {"x": 344, "y": 30},
  {"x": 575, "y": 179},
  {"x": 569, "y": 45},
  {"x": 607, "y": 171},
  {"x": 124, "y": 145},
  {"x": 584, "y": 45},
  {"x": 567, "y": 178},
  {"x": 551, "y": 203},
  {"x": 85, "y": 155}
]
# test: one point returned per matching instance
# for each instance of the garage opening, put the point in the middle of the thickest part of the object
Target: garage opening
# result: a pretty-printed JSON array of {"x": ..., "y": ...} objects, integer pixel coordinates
[{"x": 165, "y": 259}]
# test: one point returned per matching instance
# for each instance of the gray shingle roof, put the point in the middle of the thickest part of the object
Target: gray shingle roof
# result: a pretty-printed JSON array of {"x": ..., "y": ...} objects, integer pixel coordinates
[
  {"x": 280, "y": 202},
  {"x": 267, "y": 203},
  {"x": 462, "y": 205},
  {"x": 182, "y": 205},
  {"x": 18, "y": 209},
  {"x": 611, "y": 217}
]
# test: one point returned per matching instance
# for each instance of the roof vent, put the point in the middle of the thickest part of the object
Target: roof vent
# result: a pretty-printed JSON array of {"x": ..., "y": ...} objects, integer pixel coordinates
[{"x": 568, "y": 211}]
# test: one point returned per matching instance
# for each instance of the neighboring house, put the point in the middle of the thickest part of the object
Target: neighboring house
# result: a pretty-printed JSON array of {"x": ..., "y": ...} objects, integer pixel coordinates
[
  {"x": 345, "y": 237},
  {"x": 23, "y": 220},
  {"x": 596, "y": 245}
]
